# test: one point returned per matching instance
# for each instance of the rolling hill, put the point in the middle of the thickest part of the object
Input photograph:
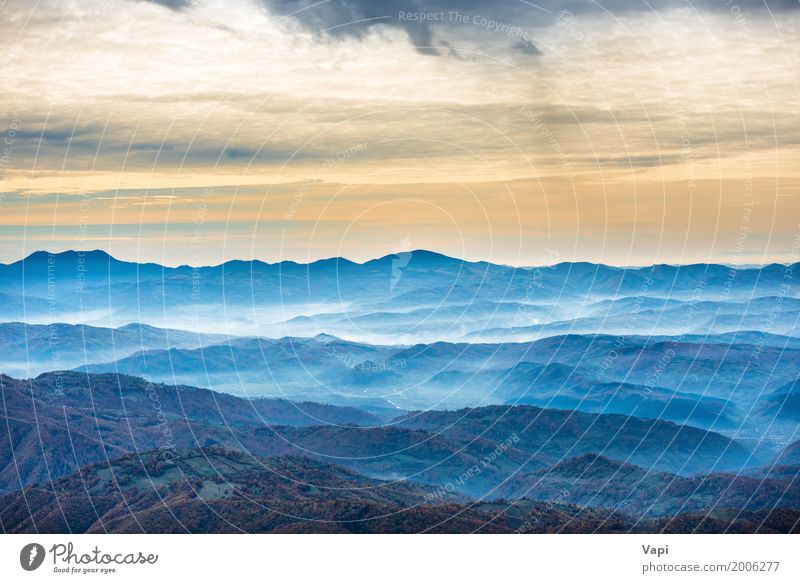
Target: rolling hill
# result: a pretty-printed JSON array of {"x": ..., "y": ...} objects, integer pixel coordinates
[
  {"x": 212, "y": 490},
  {"x": 710, "y": 382},
  {"x": 60, "y": 422}
]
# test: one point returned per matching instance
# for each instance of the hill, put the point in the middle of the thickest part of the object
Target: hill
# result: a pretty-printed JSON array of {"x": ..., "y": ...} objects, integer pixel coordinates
[
  {"x": 31, "y": 349},
  {"x": 596, "y": 481},
  {"x": 212, "y": 490},
  {"x": 85, "y": 418},
  {"x": 707, "y": 382},
  {"x": 556, "y": 435},
  {"x": 61, "y": 421}
]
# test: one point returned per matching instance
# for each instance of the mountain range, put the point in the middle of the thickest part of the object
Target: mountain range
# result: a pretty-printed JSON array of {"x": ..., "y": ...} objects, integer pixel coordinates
[
  {"x": 215, "y": 490},
  {"x": 730, "y": 383},
  {"x": 411, "y": 393},
  {"x": 416, "y": 296}
]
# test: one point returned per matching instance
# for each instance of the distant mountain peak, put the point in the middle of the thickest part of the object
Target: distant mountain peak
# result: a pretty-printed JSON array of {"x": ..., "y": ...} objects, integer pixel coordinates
[
  {"x": 70, "y": 254},
  {"x": 419, "y": 255},
  {"x": 325, "y": 338}
]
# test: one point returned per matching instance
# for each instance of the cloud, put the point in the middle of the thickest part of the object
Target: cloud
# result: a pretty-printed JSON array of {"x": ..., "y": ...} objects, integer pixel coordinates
[
  {"x": 425, "y": 22},
  {"x": 354, "y": 19},
  {"x": 171, "y": 4},
  {"x": 526, "y": 47},
  {"x": 429, "y": 22}
]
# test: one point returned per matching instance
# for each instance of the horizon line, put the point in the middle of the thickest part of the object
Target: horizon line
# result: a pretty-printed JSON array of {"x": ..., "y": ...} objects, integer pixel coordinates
[{"x": 742, "y": 265}]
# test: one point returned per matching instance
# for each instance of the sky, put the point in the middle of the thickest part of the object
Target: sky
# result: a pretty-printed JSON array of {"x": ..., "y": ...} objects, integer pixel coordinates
[{"x": 198, "y": 131}]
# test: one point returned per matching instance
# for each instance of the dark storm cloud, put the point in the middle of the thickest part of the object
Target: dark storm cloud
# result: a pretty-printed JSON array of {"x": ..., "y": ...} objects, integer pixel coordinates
[
  {"x": 353, "y": 17},
  {"x": 417, "y": 18},
  {"x": 171, "y": 4},
  {"x": 421, "y": 19},
  {"x": 523, "y": 45},
  {"x": 619, "y": 7},
  {"x": 62, "y": 145},
  {"x": 50, "y": 136}
]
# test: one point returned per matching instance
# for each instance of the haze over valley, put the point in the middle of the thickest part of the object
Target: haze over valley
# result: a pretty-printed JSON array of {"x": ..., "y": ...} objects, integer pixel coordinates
[{"x": 653, "y": 392}]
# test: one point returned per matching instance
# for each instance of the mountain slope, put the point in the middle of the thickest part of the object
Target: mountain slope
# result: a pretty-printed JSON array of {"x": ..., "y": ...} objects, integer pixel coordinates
[
  {"x": 556, "y": 435},
  {"x": 214, "y": 490},
  {"x": 596, "y": 481},
  {"x": 59, "y": 422},
  {"x": 706, "y": 381},
  {"x": 30, "y": 349},
  {"x": 86, "y": 418}
]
